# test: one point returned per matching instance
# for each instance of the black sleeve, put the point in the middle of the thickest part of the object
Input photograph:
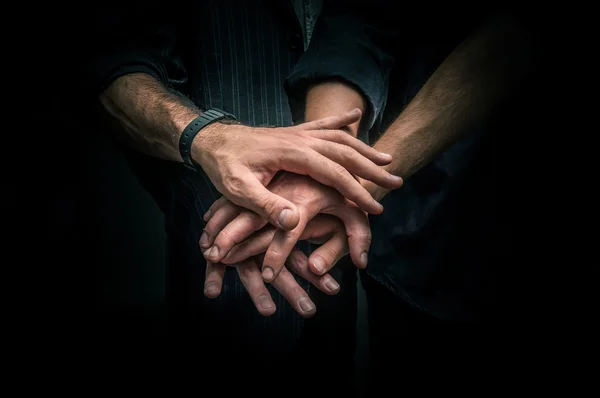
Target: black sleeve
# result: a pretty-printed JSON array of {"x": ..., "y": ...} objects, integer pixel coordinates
[
  {"x": 139, "y": 38},
  {"x": 341, "y": 48}
]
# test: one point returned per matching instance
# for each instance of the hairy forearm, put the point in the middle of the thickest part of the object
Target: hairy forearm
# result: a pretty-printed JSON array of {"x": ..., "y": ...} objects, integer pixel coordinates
[
  {"x": 333, "y": 98},
  {"x": 151, "y": 116},
  {"x": 461, "y": 92}
]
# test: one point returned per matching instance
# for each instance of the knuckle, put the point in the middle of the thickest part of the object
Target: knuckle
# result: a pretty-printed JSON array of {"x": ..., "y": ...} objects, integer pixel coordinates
[
  {"x": 209, "y": 227},
  {"x": 294, "y": 135},
  {"x": 214, "y": 206},
  {"x": 296, "y": 256},
  {"x": 226, "y": 238},
  {"x": 302, "y": 152},
  {"x": 278, "y": 160},
  {"x": 328, "y": 253},
  {"x": 340, "y": 135},
  {"x": 296, "y": 262},
  {"x": 213, "y": 234},
  {"x": 297, "y": 292},
  {"x": 284, "y": 272},
  {"x": 229, "y": 207},
  {"x": 248, "y": 271},
  {"x": 364, "y": 236},
  {"x": 348, "y": 152},
  {"x": 320, "y": 123},
  {"x": 276, "y": 255},
  {"x": 268, "y": 204},
  {"x": 235, "y": 186},
  {"x": 292, "y": 265},
  {"x": 339, "y": 170},
  {"x": 218, "y": 202},
  {"x": 249, "y": 217},
  {"x": 330, "y": 147}
]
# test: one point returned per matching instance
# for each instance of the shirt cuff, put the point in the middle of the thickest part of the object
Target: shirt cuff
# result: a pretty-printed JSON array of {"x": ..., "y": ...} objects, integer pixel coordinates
[{"x": 110, "y": 69}]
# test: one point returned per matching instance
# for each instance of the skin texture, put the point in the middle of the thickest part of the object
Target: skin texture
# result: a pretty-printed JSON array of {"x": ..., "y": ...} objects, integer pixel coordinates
[
  {"x": 242, "y": 160},
  {"x": 461, "y": 92}
]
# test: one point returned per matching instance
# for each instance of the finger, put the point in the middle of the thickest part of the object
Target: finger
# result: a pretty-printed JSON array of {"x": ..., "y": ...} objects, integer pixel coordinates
[
  {"x": 226, "y": 213},
  {"x": 333, "y": 122},
  {"x": 214, "y": 207},
  {"x": 297, "y": 262},
  {"x": 327, "y": 172},
  {"x": 279, "y": 250},
  {"x": 294, "y": 294},
  {"x": 252, "y": 195},
  {"x": 356, "y": 223},
  {"x": 214, "y": 279},
  {"x": 252, "y": 281},
  {"x": 329, "y": 253},
  {"x": 321, "y": 228},
  {"x": 356, "y": 163},
  {"x": 344, "y": 138},
  {"x": 256, "y": 244},
  {"x": 235, "y": 232}
]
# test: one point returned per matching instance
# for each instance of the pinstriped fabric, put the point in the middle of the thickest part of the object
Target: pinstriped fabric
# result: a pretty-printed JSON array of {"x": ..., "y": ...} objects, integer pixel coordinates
[
  {"x": 242, "y": 56},
  {"x": 242, "y": 59}
]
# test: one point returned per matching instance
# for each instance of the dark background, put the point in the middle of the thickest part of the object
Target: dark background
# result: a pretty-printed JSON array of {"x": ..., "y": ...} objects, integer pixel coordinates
[
  {"x": 98, "y": 234},
  {"x": 90, "y": 241}
]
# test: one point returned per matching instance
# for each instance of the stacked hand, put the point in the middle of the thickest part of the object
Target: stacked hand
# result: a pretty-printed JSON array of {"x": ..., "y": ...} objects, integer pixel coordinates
[
  {"x": 318, "y": 229},
  {"x": 229, "y": 225},
  {"x": 241, "y": 161},
  {"x": 238, "y": 230}
]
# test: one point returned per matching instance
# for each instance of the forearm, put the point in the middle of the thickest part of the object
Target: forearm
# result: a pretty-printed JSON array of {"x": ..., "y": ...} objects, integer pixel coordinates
[
  {"x": 151, "y": 116},
  {"x": 333, "y": 97},
  {"x": 461, "y": 92}
]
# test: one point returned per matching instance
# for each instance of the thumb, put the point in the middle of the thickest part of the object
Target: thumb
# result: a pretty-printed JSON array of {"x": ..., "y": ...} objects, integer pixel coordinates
[{"x": 279, "y": 211}]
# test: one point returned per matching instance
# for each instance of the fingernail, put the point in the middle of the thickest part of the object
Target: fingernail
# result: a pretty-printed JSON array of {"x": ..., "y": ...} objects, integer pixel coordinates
[
  {"x": 355, "y": 111},
  {"x": 331, "y": 284},
  {"x": 284, "y": 217},
  {"x": 206, "y": 252},
  {"x": 394, "y": 179},
  {"x": 207, "y": 215},
  {"x": 214, "y": 252},
  {"x": 364, "y": 258},
  {"x": 378, "y": 205},
  {"x": 211, "y": 287},
  {"x": 319, "y": 264},
  {"x": 267, "y": 274},
  {"x": 387, "y": 155},
  {"x": 305, "y": 304},
  {"x": 265, "y": 302},
  {"x": 204, "y": 240}
]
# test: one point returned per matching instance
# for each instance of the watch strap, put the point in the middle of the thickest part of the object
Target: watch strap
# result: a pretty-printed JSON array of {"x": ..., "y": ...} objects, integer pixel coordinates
[{"x": 193, "y": 128}]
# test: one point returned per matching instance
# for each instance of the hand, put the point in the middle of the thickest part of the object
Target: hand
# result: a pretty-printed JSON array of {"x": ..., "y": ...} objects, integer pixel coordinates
[
  {"x": 285, "y": 283},
  {"x": 228, "y": 225},
  {"x": 326, "y": 230},
  {"x": 241, "y": 161},
  {"x": 334, "y": 97},
  {"x": 377, "y": 192}
]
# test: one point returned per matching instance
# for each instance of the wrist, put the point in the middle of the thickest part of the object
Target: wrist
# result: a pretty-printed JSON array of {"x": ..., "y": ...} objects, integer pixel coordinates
[
  {"x": 210, "y": 138},
  {"x": 202, "y": 145},
  {"x": 180, "y": 121},
  {"x": 333, "y": 97}
]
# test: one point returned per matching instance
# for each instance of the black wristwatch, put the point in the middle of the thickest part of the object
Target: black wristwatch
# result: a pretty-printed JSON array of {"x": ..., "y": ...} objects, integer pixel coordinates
[{"x": 192, "y": 129}]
